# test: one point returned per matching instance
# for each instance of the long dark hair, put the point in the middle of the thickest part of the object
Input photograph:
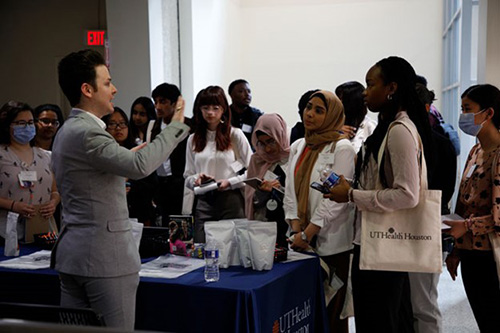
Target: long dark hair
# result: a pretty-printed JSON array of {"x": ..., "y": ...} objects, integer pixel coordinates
[
  {"x": 351, "y": 95},
  {"x": 148, "y": 105},
  {"x": 398, "y": 70},
  {"x": 212, "y": 95}
]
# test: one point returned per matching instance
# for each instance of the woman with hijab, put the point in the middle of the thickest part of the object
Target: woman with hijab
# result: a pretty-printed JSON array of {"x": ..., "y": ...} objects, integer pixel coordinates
[
  {"x": 324, "y": 225},
  {"x": 268, "y": 163}
]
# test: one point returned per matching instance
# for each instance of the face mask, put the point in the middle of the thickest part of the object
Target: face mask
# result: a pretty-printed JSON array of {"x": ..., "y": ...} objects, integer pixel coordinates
[
  {"x": 467, "y": 125},
  {"x": 24, "y": 134}
]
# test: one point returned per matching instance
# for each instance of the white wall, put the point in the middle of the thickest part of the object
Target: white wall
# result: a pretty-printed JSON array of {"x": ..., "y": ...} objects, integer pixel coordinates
[
  {"x": 128, "y": 33},
  {"x": 285, "y": 47},
  {"x": 216, "y": 42},
  {"x": 493, "y": 44}
]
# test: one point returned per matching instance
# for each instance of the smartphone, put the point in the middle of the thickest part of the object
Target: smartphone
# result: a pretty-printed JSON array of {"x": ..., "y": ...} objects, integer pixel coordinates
[
  {"x": 207, "y": 182},
  {"x": 320, "y": 187}
]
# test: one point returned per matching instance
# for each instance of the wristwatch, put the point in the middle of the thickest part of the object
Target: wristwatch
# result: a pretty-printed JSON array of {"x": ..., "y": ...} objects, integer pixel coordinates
[{"x": 303, "y": 236}]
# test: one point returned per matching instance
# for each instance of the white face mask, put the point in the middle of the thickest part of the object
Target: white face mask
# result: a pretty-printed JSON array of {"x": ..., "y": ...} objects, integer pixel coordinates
[{"x": 467, "y": 123}]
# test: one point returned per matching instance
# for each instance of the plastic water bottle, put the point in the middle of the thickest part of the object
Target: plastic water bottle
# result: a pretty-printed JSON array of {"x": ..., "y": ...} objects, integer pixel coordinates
[
  {"x": 325, "y": 172},
  {"x": 211, "y": 262}
]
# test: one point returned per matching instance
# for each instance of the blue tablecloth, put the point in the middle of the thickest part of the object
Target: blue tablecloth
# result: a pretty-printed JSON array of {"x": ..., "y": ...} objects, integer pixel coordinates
[{"x": 286, "y": 299}]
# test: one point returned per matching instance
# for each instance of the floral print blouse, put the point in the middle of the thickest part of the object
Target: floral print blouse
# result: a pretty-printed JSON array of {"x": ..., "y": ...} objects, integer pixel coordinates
[{"x": 479, "y": 198}]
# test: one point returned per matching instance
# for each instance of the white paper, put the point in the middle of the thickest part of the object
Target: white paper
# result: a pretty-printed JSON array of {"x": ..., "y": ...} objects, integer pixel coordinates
[
  {"x": 170, "y": 266},
  {"x": 37, "y": 260},
  {"x": 450, "y": 217},
  {"x": 198, "y": 190},
  {"x": 295, "y": 255}
]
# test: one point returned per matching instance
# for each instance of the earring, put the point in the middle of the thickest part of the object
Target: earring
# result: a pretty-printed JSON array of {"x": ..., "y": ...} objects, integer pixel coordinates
[
  {"x": 389, "y": 97},
  {"x": 222, "y": 121}
]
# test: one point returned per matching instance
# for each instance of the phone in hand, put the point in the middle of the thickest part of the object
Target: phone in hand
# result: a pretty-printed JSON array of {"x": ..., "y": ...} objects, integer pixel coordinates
[
  {"x": 207, "y": 181},
  {"x": 320, "y": 187}
]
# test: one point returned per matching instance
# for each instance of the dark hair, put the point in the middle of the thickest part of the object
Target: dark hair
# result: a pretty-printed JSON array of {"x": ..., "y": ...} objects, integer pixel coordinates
[
  {"x": 129, "y": 142},
  {"x": 425, "y": 95},
  {"x": 234, "y": 84},
  {"x": 76, "y": 69},
  {"x": 148, "y": 105},
  {"x": 49, "y": 107},
  {"x": 168, "y": 91},
  {"x": 487, "y": 96},
  {"x": 398, "y": 70},
  {"x": 11, "y": 109},
  {"x": 212, "y": 95},
  {"x": 422, "y": 80},
  {"x": 351, "y": 95},
  {"x": 303, "y": 101}
]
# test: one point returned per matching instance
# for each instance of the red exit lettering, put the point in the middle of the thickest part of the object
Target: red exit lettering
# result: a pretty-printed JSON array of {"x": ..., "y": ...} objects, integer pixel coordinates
[{"x": 95, "y": 37}]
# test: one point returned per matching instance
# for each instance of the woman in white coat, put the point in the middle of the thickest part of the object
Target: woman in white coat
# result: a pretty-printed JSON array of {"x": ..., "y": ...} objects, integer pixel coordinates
[{"x": 316, "y": 222}]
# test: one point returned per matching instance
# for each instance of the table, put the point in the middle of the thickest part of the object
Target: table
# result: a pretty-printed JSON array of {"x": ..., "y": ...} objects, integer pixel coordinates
[{"x": 289, "y": 298}]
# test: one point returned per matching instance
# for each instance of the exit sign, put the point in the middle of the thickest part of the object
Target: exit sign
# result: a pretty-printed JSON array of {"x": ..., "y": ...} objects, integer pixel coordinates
[{"x": 95, "y": 37}]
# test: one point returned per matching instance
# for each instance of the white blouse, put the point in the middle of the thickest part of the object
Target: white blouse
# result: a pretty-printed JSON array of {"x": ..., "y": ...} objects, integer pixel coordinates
[
  {"x": 216, "y": 163},
  {"x": 336, "y": 220},
  {"x": 365, "y": 129}
]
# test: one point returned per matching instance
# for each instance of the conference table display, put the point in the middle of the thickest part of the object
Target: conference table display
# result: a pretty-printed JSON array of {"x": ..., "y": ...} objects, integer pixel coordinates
[{"x": 288, "y": 298}]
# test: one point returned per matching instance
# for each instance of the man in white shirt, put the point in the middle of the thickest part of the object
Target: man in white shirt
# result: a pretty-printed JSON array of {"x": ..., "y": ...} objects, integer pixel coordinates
[{"x": 170, "y": 191}]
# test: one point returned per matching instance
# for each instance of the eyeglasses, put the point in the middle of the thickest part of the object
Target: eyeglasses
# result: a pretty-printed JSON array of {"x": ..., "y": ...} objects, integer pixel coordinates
[
  {"x": 114, "y": 126},
  {"x": 49, "y": 122},
  {"x": 23, "y": 123},
  {"x": 271, "y": 143}
]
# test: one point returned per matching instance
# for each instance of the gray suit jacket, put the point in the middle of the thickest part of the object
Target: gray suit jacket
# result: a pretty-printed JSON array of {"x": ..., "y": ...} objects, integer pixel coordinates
[{"x": 90, "y": 168}]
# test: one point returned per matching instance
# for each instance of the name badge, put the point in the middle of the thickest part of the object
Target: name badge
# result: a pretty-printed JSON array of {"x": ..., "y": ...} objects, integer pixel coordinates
[
  {"x": 325, "y": 158},
  {"x": 246, "y": 128},
  {"x": 27, "y": 178},
  {"x": 237, "y": 166},
  {"x": 272, "y": 205},
  {"x": 471, "y": 171},
  {"x": 269, "y": 175}
]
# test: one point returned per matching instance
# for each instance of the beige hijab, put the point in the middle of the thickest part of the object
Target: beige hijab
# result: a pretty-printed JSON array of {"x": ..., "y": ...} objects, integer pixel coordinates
[
  {"x": 316, "y": 141},
  {"x": 274, "y": 126}
]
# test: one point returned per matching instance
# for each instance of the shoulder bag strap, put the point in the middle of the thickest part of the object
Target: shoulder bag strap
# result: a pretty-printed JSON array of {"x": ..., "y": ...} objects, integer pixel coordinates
[{"x": 418, "y": 141}]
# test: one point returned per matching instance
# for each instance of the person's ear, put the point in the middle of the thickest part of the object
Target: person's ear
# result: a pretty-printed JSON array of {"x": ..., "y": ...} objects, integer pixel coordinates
[
  {"x": 490, "y": 112},
  {"x": 86, "y": 89},
  {"x": 393, "y": 87}
]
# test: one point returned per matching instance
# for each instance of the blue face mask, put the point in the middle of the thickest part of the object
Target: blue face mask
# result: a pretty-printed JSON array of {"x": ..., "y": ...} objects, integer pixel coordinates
[
  {"x": 467, "y": 124},
  {"x": 24, "y": 134}
]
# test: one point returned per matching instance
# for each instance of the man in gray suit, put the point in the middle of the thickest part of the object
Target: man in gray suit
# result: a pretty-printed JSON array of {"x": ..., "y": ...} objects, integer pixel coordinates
[{"x": 96, "y": 256}]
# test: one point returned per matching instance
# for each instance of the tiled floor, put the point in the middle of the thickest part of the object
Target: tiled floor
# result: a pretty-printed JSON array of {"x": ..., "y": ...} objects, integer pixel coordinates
[{"x": 455, "y": 310}]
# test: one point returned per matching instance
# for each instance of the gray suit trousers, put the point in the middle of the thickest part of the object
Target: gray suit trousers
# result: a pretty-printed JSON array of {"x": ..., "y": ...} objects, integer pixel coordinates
[{"x": 113, "y": 297}]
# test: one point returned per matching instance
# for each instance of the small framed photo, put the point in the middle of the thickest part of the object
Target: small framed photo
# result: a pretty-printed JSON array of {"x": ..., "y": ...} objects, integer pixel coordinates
[{"x": 181, "y": 233}]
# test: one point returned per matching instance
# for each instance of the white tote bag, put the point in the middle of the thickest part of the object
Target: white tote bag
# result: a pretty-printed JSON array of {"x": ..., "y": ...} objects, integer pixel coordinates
[{"x": 404, "y": 240}]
